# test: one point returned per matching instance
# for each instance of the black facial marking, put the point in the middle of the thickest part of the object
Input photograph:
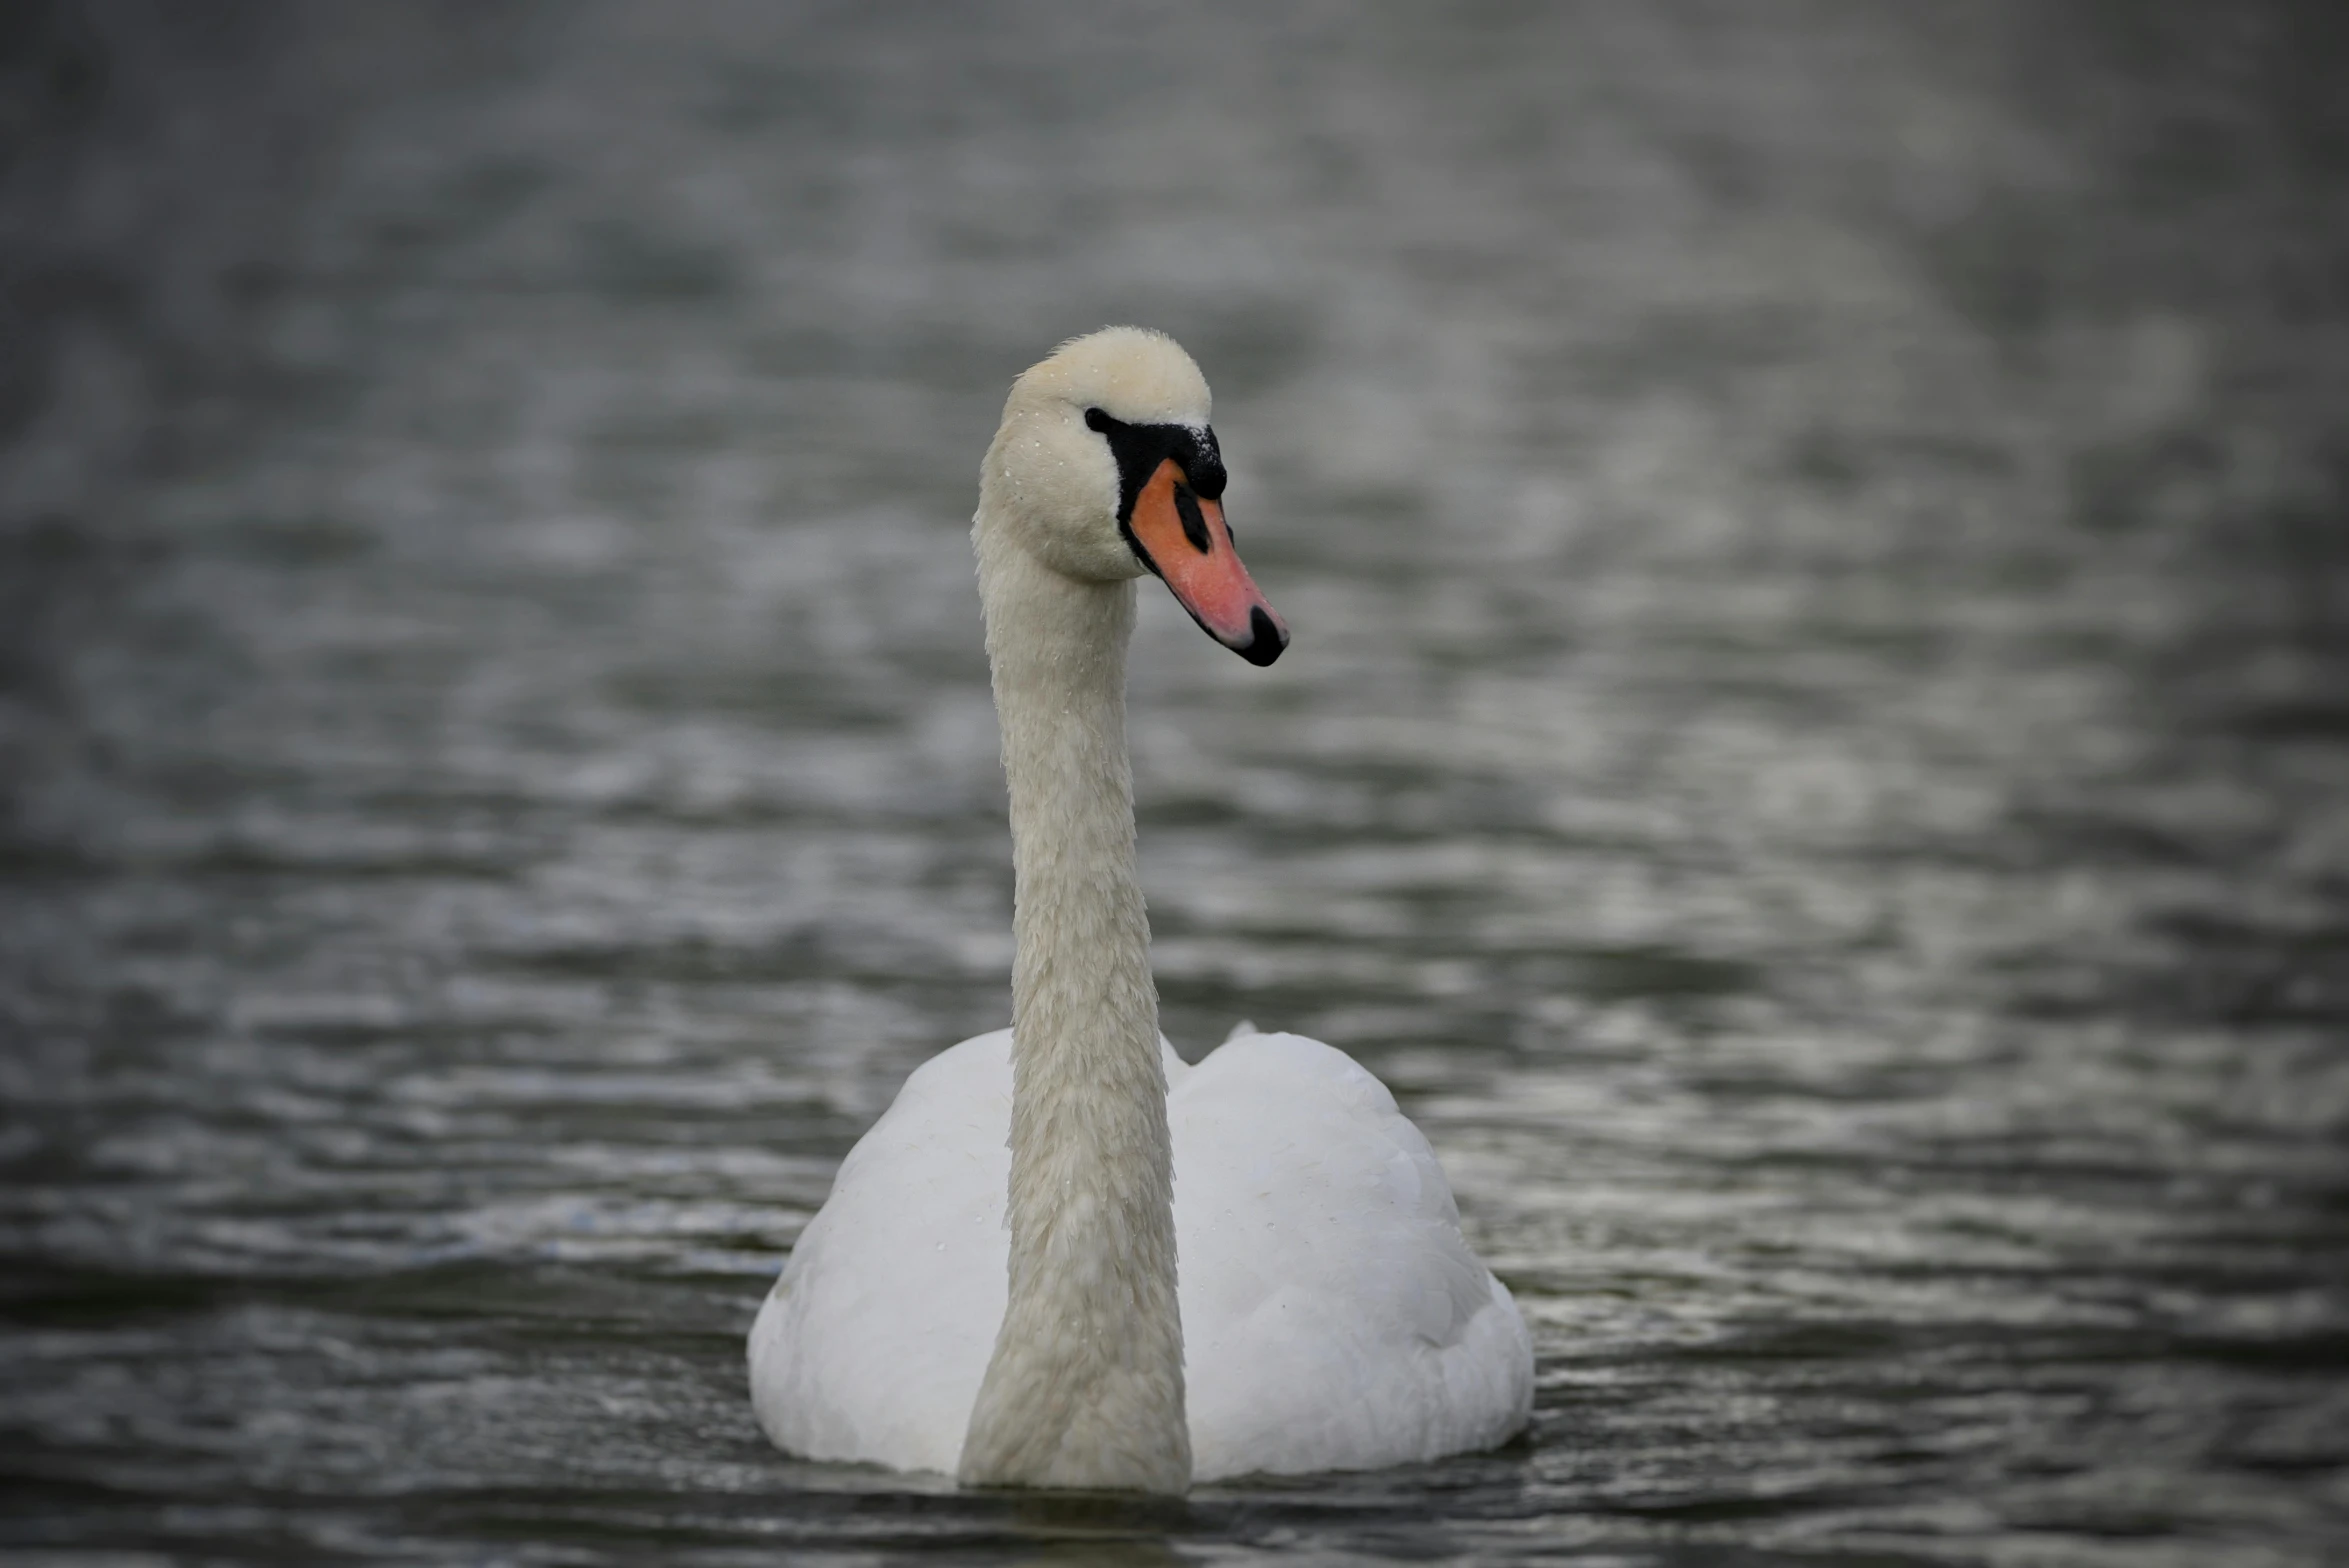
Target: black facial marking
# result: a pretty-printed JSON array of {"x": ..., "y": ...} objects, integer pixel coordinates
[
  {"x": 1139, "y": 449},
  {"x": 1194, "y": 521}
]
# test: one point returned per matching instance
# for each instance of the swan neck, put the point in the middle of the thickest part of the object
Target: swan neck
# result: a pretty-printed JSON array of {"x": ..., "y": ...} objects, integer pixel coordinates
[{"x": 1085, "y": 1388}]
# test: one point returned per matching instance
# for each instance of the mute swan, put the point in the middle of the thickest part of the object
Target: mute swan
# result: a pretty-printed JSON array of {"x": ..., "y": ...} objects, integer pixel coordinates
[{"x": 991, "y": 1290}]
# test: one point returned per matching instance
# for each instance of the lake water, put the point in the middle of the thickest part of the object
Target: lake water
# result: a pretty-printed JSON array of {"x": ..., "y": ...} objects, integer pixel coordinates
[{"x": 1815, "y": 757}]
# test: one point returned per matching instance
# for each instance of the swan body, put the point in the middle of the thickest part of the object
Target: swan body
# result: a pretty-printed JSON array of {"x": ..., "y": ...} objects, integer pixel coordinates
[
  {"x": 992, "y": 1288},
  {"x": 1333, "y": 1318}
]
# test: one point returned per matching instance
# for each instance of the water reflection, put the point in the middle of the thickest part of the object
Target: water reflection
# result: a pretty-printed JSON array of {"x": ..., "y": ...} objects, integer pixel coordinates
[{"x": 1814, "y": 758}]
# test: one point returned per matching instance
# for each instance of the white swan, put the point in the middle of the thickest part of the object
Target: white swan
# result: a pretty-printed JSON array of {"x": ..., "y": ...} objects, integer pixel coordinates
[{"x": 1328, "y": 1313}]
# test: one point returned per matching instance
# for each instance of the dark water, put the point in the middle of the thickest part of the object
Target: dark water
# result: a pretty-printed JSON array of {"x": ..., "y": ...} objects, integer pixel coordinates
[{"x": 1816, "y": 756}]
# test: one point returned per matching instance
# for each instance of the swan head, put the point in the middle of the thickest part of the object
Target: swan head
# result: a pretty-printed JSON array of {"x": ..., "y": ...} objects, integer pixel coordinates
[{"x": 1106, "y": 468}]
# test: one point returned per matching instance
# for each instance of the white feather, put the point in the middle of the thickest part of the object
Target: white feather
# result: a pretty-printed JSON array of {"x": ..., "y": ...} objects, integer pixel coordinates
[{"x": 1333, "y": 1316}]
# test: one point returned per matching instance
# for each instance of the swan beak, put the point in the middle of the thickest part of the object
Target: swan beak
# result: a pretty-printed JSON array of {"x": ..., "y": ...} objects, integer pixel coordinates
[{"x": 1180, "y": 535}]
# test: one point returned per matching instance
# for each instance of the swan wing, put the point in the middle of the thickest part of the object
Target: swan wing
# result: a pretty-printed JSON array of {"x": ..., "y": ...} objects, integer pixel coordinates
[
  {"x": 1334, "y": 1317},
  {"x": 873, "y": 1342}
]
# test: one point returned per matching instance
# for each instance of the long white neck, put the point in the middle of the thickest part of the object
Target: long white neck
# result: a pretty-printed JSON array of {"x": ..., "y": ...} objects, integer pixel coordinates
[{"x": 1085, "y": 1389}]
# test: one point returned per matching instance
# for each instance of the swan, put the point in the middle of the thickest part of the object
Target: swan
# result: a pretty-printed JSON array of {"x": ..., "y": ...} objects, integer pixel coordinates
[{"x": 1063, "y": 1257}]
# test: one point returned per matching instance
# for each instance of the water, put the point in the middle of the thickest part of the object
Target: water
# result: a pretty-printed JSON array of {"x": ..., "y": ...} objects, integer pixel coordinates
[{"x": 1815, "y": 758}]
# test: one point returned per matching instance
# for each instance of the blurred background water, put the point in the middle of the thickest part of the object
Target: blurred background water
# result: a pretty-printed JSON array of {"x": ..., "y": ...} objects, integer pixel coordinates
[{"x": 1815, "y": 758}]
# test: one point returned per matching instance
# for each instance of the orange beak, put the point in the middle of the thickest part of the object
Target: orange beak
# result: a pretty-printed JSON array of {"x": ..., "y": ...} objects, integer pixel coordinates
[{"x": 1181, "y": 536}]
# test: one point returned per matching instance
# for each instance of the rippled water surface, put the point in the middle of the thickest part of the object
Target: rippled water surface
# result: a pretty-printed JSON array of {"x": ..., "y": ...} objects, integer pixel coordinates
[{"x": 1815, "y": 758}]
